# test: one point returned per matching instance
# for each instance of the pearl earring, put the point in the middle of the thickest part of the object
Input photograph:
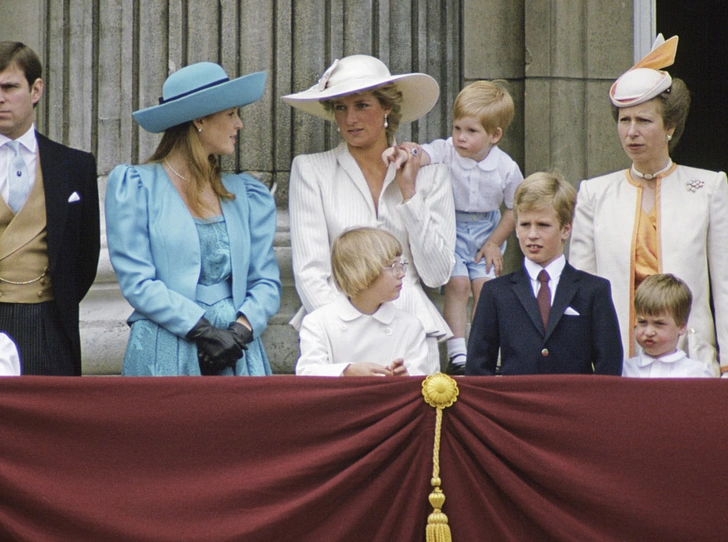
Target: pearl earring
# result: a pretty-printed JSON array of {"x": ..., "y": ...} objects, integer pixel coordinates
[
  {"x": 386, "y": 122},
  {"x": 669, "y": 137}
]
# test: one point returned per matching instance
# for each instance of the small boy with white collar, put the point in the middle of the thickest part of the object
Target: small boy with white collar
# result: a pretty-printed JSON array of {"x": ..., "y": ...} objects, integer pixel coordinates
[
  {"x": 362, "y": 333},
  {"x": 483, "y": 178},
  {"x": 662, "y": 307}
]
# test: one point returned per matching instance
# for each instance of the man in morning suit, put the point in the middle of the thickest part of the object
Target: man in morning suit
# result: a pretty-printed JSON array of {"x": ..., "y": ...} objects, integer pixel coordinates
[
  {"x": 49, "y": 226},
  {"x": 546, "y": 318}
]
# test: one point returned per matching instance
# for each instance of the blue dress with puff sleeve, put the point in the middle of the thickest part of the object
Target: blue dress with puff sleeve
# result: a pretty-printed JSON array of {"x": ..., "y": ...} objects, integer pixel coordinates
[{"x": 160, "y": 254}]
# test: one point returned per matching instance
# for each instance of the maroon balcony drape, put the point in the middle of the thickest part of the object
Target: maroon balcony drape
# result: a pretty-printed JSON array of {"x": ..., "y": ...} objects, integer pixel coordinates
[{"x": 295, "y": 458}]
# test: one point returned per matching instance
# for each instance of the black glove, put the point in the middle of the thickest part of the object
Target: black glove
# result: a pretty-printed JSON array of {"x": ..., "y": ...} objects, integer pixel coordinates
[
  {"x": 216, "y": 348},
  {"x": 241, "y": 334}
]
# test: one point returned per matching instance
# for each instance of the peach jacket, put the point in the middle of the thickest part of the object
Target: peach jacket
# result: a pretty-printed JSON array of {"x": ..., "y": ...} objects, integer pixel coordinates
[{"x": 692, "y": 232}]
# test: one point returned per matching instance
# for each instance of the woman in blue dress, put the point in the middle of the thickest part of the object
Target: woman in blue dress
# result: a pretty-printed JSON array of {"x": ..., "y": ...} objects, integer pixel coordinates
[{"x": 193, "y": 248}]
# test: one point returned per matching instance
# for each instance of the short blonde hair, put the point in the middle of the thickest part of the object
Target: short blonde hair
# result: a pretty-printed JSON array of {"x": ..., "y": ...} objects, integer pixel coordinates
[
  {"x": 487, "y": 101},
  {"x": 358, "y": 255},
  {"x": 661, "y": 293},
  {"x": 540, "y": 190}
]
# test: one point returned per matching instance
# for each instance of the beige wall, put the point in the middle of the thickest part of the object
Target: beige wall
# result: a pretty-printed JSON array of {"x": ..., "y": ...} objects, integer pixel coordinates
[{"x": 105, "y": 59}]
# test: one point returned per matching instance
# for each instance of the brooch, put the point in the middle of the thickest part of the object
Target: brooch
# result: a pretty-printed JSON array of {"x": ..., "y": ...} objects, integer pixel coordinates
[{"x": 693, "y": 184}]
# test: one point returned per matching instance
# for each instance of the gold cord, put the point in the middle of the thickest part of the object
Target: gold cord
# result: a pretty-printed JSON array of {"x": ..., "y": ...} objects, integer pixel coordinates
[{"x": 440, "y": 391}]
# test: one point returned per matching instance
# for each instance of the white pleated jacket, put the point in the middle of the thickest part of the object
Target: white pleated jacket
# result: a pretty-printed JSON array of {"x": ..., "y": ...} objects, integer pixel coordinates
[
  {"x": 329, "y": 194},
  {"x": 692, "y": 232}
]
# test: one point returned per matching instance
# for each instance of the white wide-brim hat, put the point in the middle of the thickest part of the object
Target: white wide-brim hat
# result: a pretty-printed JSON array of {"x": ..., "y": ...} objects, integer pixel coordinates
[
  {"x": 646, "y": 79},
  {"x": 358, "y": 73},
  {"x": 198, "y": 90}
]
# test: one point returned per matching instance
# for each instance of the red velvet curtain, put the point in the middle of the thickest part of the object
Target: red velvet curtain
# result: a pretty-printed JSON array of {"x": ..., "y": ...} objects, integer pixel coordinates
[{"x": 302, "y": 458}]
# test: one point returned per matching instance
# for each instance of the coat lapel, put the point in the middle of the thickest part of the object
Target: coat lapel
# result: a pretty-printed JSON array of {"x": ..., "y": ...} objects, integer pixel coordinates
[
  {"x": 55, "y": 183},
  {"x": 524, "y": 292},
  {"x": 348, "y": 164},
  {"x": 565, "y": 292}
]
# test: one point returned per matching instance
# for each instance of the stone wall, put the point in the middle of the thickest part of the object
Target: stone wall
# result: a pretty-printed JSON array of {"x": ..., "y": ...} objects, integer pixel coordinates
[{"x": 105, "y": 59}]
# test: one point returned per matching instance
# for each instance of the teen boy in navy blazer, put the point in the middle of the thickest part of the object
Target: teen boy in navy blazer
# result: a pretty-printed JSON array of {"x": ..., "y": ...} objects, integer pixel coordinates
[{"x": 580, "y": 334}]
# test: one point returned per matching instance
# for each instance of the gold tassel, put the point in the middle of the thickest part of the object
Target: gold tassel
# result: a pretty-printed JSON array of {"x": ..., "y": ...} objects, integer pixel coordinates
[{"x": 440, "y": 391}]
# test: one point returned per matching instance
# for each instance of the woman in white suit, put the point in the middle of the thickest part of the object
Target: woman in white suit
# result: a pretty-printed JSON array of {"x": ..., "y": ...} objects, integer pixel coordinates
[
  {"x": 193, "y": 248},
  {"x": 350, "y": 186},
  {"x": 657, "y": 216}
]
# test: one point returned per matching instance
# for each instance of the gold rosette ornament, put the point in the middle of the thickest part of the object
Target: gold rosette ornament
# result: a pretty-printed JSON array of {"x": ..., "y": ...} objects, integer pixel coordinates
[{"x": 440, "y": 391}]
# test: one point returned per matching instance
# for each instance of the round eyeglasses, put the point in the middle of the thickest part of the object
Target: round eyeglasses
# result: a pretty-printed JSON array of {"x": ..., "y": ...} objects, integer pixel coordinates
[{"x": 397, "y": 269}]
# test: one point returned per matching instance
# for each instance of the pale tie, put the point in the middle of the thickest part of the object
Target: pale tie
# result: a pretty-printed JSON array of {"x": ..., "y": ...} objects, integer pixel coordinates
[
  {"x": 18, "y": 179},
  {"x": 544, "y": 297}
]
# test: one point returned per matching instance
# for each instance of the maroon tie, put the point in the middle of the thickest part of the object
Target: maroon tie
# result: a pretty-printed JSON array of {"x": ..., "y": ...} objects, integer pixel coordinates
[{"x": 544, "y": 297}]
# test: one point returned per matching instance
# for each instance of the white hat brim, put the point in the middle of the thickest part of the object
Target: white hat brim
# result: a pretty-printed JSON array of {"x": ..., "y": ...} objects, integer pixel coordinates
[
  {"x": 235, "y": 93},
  {"x": 419, "y": 95}
]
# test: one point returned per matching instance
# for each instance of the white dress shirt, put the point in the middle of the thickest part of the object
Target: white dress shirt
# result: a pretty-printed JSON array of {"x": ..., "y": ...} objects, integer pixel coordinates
[
  {"x": 478, "y": 187},
  {"x": 554, "y": 269},
  {"x": 675, "y": 365},
  {"x": 29, "y": 153},
  {"x": 337, "y": 335}
]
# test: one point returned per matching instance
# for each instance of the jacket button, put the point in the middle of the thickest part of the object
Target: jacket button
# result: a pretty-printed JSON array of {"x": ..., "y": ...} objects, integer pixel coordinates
[{"x": 545, "y": 352}]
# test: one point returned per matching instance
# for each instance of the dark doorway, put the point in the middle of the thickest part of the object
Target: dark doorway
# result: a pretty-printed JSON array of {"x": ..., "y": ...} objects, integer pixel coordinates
[{"x": 702, "y": 62}]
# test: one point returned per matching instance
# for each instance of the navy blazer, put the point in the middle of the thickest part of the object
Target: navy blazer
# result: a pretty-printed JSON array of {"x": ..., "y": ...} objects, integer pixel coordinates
[
  {"x": 585, "y": 341},
  {"x": 72, "y": 228}
]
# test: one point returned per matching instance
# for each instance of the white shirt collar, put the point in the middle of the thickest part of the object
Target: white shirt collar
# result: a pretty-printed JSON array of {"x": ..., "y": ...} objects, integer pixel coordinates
[
  {"x": 27, "y": 140},
  {"x": 645, "y": 360},
  {"x": 489, "y": 163},
  {"x": 554, "y": 269},
  {"x": 348, "y": 312}
]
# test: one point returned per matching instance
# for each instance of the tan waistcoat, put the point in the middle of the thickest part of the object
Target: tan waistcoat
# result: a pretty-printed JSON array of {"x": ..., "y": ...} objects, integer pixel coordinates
[{"x": 24, "y": 266}]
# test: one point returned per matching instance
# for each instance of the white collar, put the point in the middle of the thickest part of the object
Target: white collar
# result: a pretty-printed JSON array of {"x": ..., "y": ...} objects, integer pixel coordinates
[
  {"x": 348, "y": 312},
  {"x": 27, "y": 140},
  {"x": 554, "y": 269},
  {"x": 489, "y": 163},
  {"x": 645, "y": 360},
  {"x": 348, "y": 162}
]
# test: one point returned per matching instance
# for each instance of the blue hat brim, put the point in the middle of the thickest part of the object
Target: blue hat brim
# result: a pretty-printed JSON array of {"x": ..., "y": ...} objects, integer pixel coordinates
[{"x": 236, "y": 93}]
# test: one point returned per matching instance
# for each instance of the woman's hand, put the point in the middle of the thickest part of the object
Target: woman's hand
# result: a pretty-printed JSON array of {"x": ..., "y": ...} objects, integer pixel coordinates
[
  {"x": 216, "y": 348},
  {"x": 493, "y": 257},
  {"x": 406, "y": 175},
  {"x": 394, "y": 155}
]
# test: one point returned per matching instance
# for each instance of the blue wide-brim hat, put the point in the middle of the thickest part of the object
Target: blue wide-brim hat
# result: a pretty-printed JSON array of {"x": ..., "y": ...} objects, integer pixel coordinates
[{"x": 198, "y": 90}]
